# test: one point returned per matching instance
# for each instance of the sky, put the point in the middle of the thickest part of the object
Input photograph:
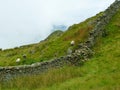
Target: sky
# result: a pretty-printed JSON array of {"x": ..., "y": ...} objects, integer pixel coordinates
[{"x": 30, "y": 21}]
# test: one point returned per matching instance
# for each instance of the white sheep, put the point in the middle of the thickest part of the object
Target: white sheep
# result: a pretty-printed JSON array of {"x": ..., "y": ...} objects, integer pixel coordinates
[
  {"x": 18, "y": 60},
  {"x": 72, "y": 43}
]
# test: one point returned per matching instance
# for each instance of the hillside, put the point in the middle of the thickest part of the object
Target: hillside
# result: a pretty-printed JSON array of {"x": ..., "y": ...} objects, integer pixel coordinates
[
  {"x": 99, "y": 72},
  {"x": 53, "y": 46}
]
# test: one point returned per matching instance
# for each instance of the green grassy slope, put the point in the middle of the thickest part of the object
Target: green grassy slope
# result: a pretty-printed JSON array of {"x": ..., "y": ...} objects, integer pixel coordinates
[
  {"x": 102, "y": 72},
  {"x": 55, "y": 45}
]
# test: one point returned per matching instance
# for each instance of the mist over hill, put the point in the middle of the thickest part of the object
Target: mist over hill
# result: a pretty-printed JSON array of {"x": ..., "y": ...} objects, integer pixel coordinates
[
  {"x": 24, "y": 22},
  {"x": 59, "y": 27}
]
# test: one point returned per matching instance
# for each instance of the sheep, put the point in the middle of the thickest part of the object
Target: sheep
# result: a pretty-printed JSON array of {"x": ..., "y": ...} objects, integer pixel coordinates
[
  {"x": 18, "y": 60},
  {"x": 24, "y": 56},
  {"x": 0, "y": 49},
  {"x": 72, "y": 43}
]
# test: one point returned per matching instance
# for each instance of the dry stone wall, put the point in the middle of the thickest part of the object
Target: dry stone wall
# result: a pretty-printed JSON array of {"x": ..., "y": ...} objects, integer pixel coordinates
[
  {"x": 78, "y": 57},
  {"x": 99, "y": 29}
]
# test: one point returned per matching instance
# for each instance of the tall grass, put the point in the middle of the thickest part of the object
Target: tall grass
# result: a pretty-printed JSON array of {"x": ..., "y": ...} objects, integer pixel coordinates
[{"x": 54, "y": 76}]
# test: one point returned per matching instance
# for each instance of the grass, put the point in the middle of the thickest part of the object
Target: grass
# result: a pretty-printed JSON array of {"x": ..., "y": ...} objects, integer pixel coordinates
[
  {"x": 102, "y": 72},
  {"x": 44, "y": 80}
]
